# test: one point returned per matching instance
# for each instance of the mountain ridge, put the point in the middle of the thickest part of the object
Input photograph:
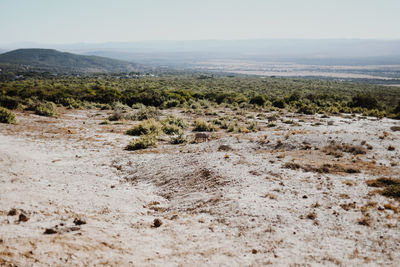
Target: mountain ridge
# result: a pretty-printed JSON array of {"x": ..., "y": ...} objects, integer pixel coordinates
[{"x": 51, "y": 60}]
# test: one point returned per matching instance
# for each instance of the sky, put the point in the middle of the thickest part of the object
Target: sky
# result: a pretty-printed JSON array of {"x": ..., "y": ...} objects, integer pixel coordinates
[{"x": 99, "y": 21}]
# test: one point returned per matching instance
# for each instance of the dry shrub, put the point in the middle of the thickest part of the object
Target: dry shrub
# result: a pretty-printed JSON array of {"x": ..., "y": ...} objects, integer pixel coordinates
[
  {"x": 202, "y": 126},
  {"x": 145, "y": 127},
  {"x": 383, "y": 182},
  {"x": 337, "y": 149},
  {"x": 312, "y": 216},
  {"x": 366, "y": 221},
  {"x": 391, "y": 207},
  {"x": 391, "y": 186},
  {"x": 391, "y": 148},
  {"x": 143, "y": 142},
  {"x": 324, "y": 168}
]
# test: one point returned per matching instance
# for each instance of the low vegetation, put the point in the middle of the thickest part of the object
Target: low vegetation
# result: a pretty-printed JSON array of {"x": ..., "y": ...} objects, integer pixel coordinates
[
  {"x": 145, "y": 141},
  {"x": 48, "y": 109},
  {"x": 146, "y": 127},
  {"x": 391, "y": 186},
  {"x": 202, "y": 126},
  {"x": 202, "y": 95},
  {"x": 7, "y": 116}
]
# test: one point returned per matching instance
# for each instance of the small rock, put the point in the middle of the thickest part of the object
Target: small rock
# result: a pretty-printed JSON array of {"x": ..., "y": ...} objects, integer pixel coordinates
[
  {"x": 23, "y": 218},
  {"x": 157, "y": 223},
  {"x": 78, "y": 221},
  {"x": 50, "y": 231},
  {"x": 12, "y": 212},
  {"x": 254, "y": 251}
]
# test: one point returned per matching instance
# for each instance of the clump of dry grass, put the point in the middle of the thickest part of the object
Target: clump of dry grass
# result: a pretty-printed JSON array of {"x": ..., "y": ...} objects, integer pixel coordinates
[
  {"x": 391, "y": 148},
  {"x": 365, "y": 220},
  {"x": 336, "y": 150},
  {"x": 312, "y": 216},
  {"x": 392, "y": 207},
  {"x": 391, "y": 186},
  {"x": 145, "y": 141},
  {"x": 202, "y": 126},
  {"x": 383, "y": 182},
  {"x": 145, "y": 127},
  {"x": 324, "y": 168}
]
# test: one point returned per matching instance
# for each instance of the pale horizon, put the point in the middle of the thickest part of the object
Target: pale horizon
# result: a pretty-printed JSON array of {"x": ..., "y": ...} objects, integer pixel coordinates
[{"x": 95, "y": 22}]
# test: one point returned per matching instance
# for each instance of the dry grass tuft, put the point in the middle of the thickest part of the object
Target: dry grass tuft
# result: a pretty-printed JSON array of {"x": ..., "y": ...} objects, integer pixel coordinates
[
  {"x": 337, "y": 149},
  {"x": 324, "y": 168},
  {"x": 383, "y": 182}
]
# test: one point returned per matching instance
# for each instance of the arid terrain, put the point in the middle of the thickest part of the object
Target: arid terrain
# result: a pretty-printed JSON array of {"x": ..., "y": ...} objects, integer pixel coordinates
[{"x": 292, "y": 193}]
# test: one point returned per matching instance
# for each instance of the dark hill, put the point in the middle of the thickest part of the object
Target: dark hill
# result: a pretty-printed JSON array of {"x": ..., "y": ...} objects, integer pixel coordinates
[{"x": 61, "y": 62}]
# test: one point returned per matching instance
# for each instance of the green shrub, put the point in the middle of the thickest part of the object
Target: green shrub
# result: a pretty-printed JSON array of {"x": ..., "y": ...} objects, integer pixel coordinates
[
  {"x": 171, "y": 103},
  {"x": 7, "y": 116},
  {"x": 252, "y": 126},
  {"x": 105, "y": 122},
  {"x": 48, "y": 109},
  {"x": 179, "y": 139},
  {"x": 9, "y": 102},
  {"x": 279, "y": 103},
  {"x": 306, "y": 109},
  {"x": 397, "y": 108},
  {"x": 116, "y": 115},
  {"x": 374, "y": 113},
  {"x": 364, "y": 101},
  {"x": 172, "y": 120},
  {"x": 142, "y": 142},
  {"x": 258, "y": 100},
  {"x": 202, "y": 126},
  {"x": 145, "y": 127},
  {"x": 120, "y": 106},
  {"x": 147, "y": 113},
  {"x": 69, "y": 102},
  {"x": 171, "y": 129}
]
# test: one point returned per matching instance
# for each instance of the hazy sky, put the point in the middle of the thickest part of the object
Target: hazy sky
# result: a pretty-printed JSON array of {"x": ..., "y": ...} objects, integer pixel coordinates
[{"x": 71, "y": 21}]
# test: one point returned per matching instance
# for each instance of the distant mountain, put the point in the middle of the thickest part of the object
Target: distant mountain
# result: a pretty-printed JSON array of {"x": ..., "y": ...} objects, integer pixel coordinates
[{"x": 35, "y": 59}]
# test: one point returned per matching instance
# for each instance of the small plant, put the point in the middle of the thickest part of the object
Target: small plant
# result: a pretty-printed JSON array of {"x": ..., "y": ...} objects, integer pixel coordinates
[
  {"x": 47, "y": 109},
  {"x": 179, "y": 139},
  {"x": 171, "y": 129},
  {"x": 105, "y": 122},
  {"x": 172, "y": 120},
  {"x": 147, "y": 113},
  {"x": 116, "y": 115},
  {"x": 279, "y": 103},
  {"x": 252, "y": 126},
  {"x": 391, "y": 148},
  {"x": 145, "y": 127},
  {"x": 202, "y": 126},
  {"x": 7, "y": 116},
  {"x": 142, "y": 142}
]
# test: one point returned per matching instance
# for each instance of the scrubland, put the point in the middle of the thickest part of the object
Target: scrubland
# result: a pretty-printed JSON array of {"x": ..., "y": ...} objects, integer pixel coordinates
[{"x": 273, "y": 179}]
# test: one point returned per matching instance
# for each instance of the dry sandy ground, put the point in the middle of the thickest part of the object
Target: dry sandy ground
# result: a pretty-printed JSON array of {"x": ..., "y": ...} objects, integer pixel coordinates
[{"x": 262, "y": 200}]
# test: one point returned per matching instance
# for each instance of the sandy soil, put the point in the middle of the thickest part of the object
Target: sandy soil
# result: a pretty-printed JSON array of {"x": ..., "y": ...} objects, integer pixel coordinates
[{"x": 240, "y": 204}]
